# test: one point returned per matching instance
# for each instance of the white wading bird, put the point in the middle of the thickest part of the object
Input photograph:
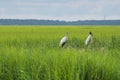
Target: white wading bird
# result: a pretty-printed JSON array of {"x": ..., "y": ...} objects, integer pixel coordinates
[
  {"x": 63, "y": 40},
  {"x": 88, "y": 40}
]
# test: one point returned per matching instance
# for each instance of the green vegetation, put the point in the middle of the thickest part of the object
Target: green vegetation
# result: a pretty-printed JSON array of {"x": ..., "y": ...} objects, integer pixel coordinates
[{"x": 32, "y": 53}]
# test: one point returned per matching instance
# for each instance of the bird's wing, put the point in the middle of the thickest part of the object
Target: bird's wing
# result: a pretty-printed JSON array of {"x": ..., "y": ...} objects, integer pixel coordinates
[
  {"x": 63, "y": 40},
  {"x": 88, "y": 40}
]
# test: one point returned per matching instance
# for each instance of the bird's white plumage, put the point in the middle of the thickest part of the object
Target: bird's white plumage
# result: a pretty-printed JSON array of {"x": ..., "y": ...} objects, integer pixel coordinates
[
  {"x": 63, "y": 40},
  {"x": 88, "y": 40}
]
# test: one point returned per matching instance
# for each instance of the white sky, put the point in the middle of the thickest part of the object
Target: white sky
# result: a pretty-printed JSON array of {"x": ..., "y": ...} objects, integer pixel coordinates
[{"x": 69, "y": 10}]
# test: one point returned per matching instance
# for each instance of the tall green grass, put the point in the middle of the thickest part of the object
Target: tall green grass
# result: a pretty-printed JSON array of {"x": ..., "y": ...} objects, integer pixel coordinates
[{"x": 32, "y": 53}]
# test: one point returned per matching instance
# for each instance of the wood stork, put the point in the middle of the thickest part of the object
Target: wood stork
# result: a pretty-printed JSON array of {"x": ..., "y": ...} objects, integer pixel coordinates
[
  {"x": 88, "y": 40},
  {"x": 63, "y": 40}
]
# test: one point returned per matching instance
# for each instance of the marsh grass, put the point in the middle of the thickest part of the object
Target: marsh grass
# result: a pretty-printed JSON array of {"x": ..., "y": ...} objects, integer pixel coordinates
[{"x": 32, "y": 53}]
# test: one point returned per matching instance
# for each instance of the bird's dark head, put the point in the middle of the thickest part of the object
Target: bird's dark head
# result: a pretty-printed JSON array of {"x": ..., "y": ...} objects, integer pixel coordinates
[{"x": 90, "y": 33}]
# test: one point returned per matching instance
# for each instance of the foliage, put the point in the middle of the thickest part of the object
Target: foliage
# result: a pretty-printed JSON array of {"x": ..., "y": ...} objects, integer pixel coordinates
[{"x": 32, "y": 53}]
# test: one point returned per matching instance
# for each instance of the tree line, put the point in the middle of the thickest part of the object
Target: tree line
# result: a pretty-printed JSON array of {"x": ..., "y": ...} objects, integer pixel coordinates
[{"x": 57, "y": 22}]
